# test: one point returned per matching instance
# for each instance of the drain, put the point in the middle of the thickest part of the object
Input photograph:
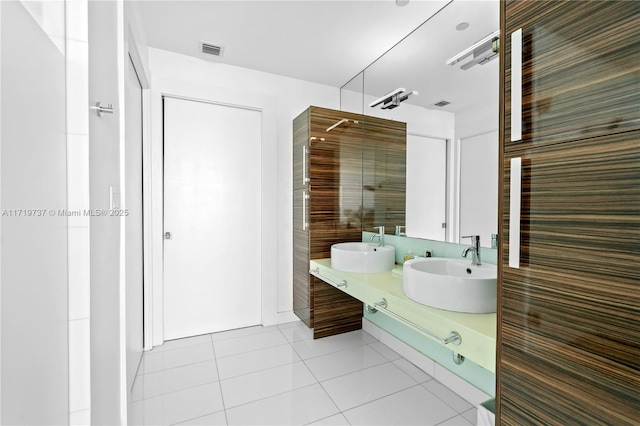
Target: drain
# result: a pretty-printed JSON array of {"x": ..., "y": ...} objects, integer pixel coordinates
[{"x": 469, "y": 271}]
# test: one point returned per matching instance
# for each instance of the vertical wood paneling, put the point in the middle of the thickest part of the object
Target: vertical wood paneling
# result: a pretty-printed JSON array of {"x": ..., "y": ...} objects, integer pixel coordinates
[
  {"x": 302, "y": 296},
  {"x": 335, "y": 172},
  {"x": 569, "y": 318},
  {"x": 581, "y": 65},
  {"x": 335, "y": 204}
]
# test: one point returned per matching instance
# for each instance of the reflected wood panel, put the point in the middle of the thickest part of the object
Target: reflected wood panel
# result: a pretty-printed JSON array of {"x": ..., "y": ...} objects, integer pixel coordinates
[{"x": 384, "y": 152}]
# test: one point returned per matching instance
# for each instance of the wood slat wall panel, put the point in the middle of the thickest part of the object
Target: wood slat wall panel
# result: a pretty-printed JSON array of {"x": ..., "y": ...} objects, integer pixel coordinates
[
  {"x": 569, "y": 317},
  {"x": 302, "y": 296},
  {"x": 336, "y": 183},
  {"x": 335, "y": 206},
  {"x": 334, "y": 311},
  {"x": 576, "y": 44}
]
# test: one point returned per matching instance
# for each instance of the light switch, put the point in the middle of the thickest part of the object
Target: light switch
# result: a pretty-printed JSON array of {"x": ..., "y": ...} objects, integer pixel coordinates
[{"x": 114, "y": 198}]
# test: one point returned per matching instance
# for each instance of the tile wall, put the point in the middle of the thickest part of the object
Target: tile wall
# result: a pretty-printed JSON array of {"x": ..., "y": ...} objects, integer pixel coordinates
[{"x": 77, "y": 49}]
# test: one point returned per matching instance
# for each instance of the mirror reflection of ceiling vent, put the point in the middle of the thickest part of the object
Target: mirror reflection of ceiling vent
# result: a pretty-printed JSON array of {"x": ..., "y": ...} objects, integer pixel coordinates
[
  {"x": 210, "y": 49},
  {"x": 442, "y": 103}
]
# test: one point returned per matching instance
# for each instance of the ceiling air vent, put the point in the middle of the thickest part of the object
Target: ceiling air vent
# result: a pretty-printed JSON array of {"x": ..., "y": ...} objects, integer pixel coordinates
[
  {"x": 210, "y": 49},
  {"x": 442, "y": 103}
]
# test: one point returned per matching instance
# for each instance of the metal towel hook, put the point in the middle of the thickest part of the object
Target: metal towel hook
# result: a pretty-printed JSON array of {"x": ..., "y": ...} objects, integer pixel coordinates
[{"x": 102, "y": 109}]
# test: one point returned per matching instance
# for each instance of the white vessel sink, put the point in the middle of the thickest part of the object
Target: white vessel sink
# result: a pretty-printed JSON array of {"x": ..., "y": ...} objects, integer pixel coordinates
[
  {"x": 362, "y": 257},
  {"x": 451, "y": 284}
]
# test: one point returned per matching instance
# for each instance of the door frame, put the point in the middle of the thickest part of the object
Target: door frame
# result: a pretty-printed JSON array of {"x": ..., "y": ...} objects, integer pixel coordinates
[
  {"x": 267, "y": 105},
  {"x": 134, "y": 54}
]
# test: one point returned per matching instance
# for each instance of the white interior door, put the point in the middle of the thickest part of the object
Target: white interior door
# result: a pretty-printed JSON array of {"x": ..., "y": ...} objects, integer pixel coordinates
[
  {"x": 426, "y": 187},
  {"x": 212, "y": 209},
  {"x": 479, "y": 186},
  {"x": 133, "y": 224}
]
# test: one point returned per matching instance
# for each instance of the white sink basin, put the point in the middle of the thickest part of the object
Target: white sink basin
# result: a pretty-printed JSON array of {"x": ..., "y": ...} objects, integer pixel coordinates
[
  {"x": 451, "y": 284},
  {"x": 362, "y": 257}
]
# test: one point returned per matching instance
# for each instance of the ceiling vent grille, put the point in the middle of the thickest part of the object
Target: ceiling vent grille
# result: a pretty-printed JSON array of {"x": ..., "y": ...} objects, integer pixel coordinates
[
  {"x": 442, "y": 103},
  {"x": 210, "y": 49}
]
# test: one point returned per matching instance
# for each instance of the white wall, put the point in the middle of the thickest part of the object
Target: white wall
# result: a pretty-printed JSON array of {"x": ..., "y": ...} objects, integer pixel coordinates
[
  {"x": 107, "y": 323},
  {"x": 34, "y": 375},
  {"x": 77, "y": 46},
  {"x": 281, "y": 99},
  {"x": 112, "y": 35}
]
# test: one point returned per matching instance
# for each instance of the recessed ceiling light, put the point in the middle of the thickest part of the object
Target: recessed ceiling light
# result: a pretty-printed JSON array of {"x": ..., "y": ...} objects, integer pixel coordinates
[
  {"x": 462, "y": 26},
  {"x": 402, "y": 2}
]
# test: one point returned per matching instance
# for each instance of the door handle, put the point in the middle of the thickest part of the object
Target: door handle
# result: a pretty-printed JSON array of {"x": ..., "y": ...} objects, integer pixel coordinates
[
  {"x": 167, "y": 235},
  {"x": 305, "y": 154},
  {"x": 305, "y": 214},
  {"x": 516, "y": 85},
  {"x": 515, "y": 181}
]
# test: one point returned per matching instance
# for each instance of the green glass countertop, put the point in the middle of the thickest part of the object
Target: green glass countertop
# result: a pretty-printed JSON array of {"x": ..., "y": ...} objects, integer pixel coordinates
[{"x": 478, "y": 331}]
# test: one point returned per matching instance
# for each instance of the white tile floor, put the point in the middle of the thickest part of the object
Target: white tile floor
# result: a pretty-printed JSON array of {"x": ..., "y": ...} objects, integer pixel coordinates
[{"x": 280, "y": 376}]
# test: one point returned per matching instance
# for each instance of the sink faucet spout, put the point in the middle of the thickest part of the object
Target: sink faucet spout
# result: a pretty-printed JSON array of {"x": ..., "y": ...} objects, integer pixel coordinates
[
  {"x": 475, "y": 249},
  {"x": 379, "y": 235}
]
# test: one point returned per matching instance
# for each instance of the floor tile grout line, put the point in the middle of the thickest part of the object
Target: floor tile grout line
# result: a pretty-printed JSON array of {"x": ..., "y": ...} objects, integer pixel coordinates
[
  {"x": 452, "y": 417},
  {"x": 331, "y": 398},
  {"x": 351, "y": 372},
  {"x": 182, "y": 348},
  {"x": 466, "y": 411},
  {"x": 378, "y": 399},
  {"x": 175, "y": 391},
  {"x": 328, "y": 417},
  {"x": 177, "y": 366},
  {"x": 365, "y": 403},
  {"x": 361, "y": 343},
  {"x": 242, "y": 336},
  {"x": 160, "y": 349},
  {"x": 252, "y": 350},
  {"x": 215, "y": 361},
  {"x": 447, "y": 388},
  {"x": 372, "y": 347},
  {"x": 278, "y": 394},
  {"x": 198, "y": 417},
  {"x": 417, "y": 381},
  {"x": 267, "y": 369},
  {"x": 339, "y": 350}
]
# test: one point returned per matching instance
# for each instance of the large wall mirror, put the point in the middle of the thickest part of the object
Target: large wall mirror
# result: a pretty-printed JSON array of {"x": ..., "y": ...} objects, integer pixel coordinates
[{"x": 452, "y": 120}]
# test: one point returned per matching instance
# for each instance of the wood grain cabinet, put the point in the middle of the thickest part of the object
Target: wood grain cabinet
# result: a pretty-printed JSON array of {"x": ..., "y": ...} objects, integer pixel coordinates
[
  {"x": 569, "y": 289},
  {"x": 328, "y": 203}
]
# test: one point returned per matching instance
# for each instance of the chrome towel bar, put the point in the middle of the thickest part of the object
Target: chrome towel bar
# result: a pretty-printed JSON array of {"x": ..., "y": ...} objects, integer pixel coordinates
[
  {"x": 453, "y": 337},
  {"x": 316, "y": 272}
]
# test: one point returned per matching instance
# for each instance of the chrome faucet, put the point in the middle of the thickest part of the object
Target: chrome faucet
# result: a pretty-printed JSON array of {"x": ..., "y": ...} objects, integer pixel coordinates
[
  {"x": 475, "y": 248},
  {"x": 379, "y": 235}
]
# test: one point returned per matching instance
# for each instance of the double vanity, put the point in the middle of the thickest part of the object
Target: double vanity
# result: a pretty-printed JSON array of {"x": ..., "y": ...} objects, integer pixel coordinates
[{"x": 452, "y": 301}]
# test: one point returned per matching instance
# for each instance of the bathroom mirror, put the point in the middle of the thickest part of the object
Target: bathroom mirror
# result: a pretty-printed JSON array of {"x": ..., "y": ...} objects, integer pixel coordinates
[{"x": 452, "y": 121}]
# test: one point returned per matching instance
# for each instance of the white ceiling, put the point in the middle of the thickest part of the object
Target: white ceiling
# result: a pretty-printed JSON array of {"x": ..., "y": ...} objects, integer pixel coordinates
[
  {"x": 326, "y": 42},
  {"x": 330, "y": 42}
]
